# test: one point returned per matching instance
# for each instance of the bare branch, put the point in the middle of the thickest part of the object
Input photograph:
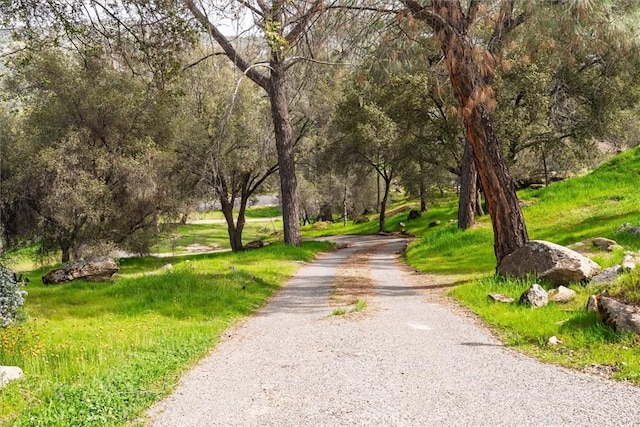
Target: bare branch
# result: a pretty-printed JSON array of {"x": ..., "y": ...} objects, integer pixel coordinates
[
  {"x": 249, "y": 70},
  {"x": 251, "y": 7},
  {"x": 204, "y": 58},
  {"x": 294, "y": 34},
  {"x": 296, "y": 59}
]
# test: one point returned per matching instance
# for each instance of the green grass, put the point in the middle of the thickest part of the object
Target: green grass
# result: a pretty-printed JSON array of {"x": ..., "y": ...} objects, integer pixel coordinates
[
  {"x": 584, "y": 339},
  {"x": 212, "y": 236},
  {"x": 594, "y": 205},
  {"x": 253, "y": 212},
  {"x": 101, "y": 353},
  {"x": 356, "y": 307}
]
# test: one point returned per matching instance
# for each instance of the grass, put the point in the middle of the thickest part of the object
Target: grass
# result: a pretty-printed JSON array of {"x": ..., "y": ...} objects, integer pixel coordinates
[
  {"x": 594, "y": 205},
  {"x": 101, "y": 353},
  {"x": 585, "y": 341},
  {"x": 253, "y": 212},
  {"x": 357, "y": 307},
  {"x": 210, "y": 236}
]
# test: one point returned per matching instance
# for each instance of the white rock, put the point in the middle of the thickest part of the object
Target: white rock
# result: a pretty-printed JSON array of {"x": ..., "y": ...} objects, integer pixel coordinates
[
  {"x": 9, "y": 373},
  {"x": 561, "y": 294},
  {"x": 535, "y": 296},
  {"x": 554, "y": 341},
  {"x": 629, "y": 262}
]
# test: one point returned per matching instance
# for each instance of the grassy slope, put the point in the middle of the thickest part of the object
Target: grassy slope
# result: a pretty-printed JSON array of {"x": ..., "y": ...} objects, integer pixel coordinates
[
  {"x": 100, "y": 353},
  {"x": 565, "y": 213}
]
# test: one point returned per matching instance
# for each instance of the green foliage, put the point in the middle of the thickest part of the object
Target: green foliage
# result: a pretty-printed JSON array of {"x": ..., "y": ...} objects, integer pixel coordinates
[
  {"x": 97, "y": 144},
  {"x": 101, "y": 353}
]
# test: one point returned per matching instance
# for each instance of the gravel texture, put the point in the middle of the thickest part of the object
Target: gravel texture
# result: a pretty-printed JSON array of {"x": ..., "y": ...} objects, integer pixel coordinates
[{"x": 405, "y": 361}]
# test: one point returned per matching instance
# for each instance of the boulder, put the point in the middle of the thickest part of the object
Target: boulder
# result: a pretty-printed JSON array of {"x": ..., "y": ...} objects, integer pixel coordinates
[
  {"x": 496, "y": 297},
  {"x": 604, "y": 243},
  {"x": 622, "y": 317},
  {"x": 561, "y": 294},
  {"x": 629, "y": 262},
  {"x": 96, "y": 269},
  {"x": 558, "y": 264},
  {"x": 254, "y": 244},
  {"x": 9, "y": 373},
  {"x": 535, "y": 296},
  {"x": 414, "y": 214},
  {"x": 608, "y": 275},
  {"x": 592, "y": 303}
]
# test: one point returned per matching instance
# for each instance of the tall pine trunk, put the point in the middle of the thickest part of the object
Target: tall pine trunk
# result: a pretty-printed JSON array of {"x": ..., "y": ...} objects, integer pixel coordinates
[
  {"x": 285, "y": 148},
  {"x": 472, "y": 93}
]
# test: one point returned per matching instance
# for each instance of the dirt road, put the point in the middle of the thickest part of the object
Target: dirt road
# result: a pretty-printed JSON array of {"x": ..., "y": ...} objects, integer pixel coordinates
[{"x": 405, "y": 360}]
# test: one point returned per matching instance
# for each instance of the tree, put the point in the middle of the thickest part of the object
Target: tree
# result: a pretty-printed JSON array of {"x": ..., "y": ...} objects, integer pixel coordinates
[
  {"x": 472, "y": 39},
  {"x": 370, "y": 136},
  {"x": 470, "y": 66},
  {"x": 97, "y": 145},
  {"x": 157, "y": 31},
  {"x": 225, "y": 142},
  {"x": 283, "y": 25}
]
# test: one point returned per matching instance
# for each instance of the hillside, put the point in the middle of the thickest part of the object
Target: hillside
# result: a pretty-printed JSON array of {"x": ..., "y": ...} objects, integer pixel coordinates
[{"x": 593, "y": 205}]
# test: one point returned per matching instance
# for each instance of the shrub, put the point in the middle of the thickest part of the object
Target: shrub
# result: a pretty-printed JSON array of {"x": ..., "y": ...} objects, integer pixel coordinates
[{"x": 12, "y": 296}]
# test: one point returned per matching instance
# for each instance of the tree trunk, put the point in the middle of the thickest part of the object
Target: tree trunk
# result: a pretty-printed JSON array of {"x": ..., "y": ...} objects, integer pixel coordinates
[
  {"x": 285, "y": 148},
  {"x": 66, "y": 253},
  {"x": 479, "y": 208},
  {"x": 377, "y": 192},
  {"x": 472, "y": 93},
  {"x": 468, "y": 191},
  {"x": 423, "y": 190},
  {"x": 546, "y": 170},
  {"x": 344, "y": 205},
  {"x": 383, "y": 204},
  {"x": 235, "y": 238}
]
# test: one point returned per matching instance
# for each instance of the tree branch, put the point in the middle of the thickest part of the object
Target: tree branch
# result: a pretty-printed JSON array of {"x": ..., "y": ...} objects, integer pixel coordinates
[
  {"x": 472, "y": 12},
  {"x": 244, "y": 66},
  {"x": 421, "y": 13},
  {"x": 294, "y": 34},
  {"x": 505, "y": 24}
]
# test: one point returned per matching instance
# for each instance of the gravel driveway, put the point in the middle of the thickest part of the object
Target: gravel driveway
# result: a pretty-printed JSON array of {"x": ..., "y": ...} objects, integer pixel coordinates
[{"x": 404, "y": 361}]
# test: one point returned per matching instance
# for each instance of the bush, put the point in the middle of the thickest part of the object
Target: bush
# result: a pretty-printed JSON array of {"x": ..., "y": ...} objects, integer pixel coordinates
[{"x": 12, "y": 296}]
